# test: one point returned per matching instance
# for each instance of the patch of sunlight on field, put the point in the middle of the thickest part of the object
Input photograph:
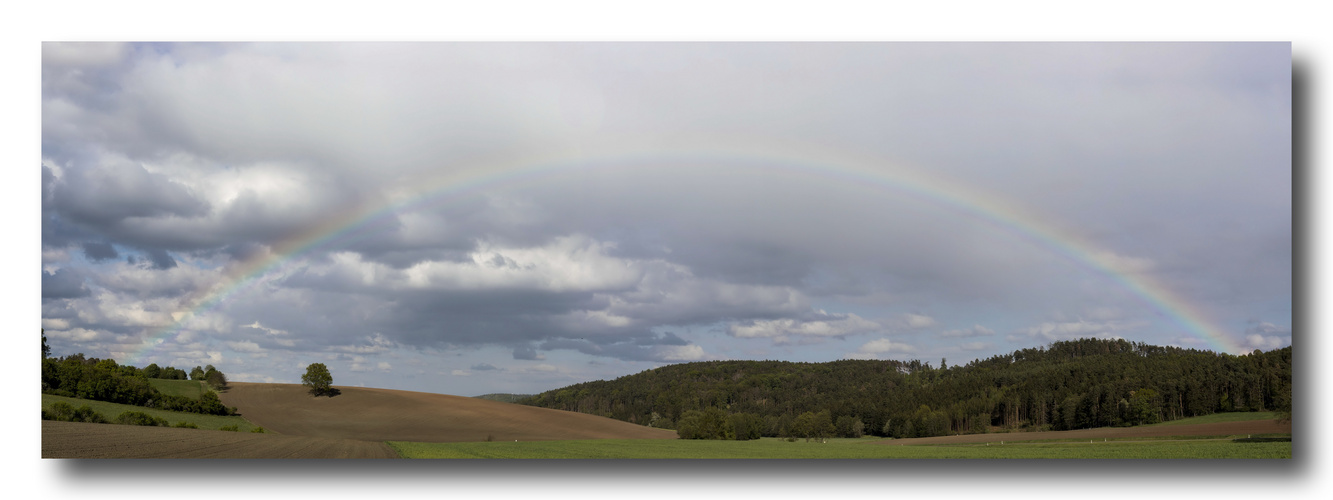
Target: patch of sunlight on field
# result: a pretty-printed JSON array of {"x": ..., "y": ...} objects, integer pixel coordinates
[
  {"x": 835, "y": 448},
  {"x": 111, "y": 410}
]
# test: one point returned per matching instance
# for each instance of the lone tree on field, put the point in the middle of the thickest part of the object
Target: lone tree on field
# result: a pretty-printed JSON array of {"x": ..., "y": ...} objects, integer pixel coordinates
[{"x": 318, "y": 379}]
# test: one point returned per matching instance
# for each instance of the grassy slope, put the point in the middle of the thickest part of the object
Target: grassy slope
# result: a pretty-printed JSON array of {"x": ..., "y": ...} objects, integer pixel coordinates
[
  {"x": 1167, "y": 447},
  {"x": 1239, "y": 416},
  {"x": 192, "y": 389},
  {"x": 836, "y": 448},
  {"x": 111, "y": 410}
]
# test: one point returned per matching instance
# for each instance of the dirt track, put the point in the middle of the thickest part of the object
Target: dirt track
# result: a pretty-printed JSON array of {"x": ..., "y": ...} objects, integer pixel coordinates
[
  {"x": 1157, "y": 431},
  {"x": 387, "y": 415},
  {"x": 82, "y": 440}
]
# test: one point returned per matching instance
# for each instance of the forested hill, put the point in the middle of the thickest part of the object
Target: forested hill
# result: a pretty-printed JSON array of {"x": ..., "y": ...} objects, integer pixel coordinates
[{"x": 1066, "y": 385}]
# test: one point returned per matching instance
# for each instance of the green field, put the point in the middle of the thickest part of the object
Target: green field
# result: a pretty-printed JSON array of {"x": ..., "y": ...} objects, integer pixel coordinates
[
  {"x": 837, "y": 448},
  {"x": 1235, "y": 416},
  {"x": 111, "y": 410},
  {"x": 192, "y": 389}
]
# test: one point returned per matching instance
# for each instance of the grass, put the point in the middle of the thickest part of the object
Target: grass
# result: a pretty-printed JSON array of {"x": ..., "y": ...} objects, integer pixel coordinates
[
  {"x": 192, "y": 389},
  {"x": 836, "y": 448},
  {"x": 112, "y": 410},
  {"x": 1238, "y": 416}
]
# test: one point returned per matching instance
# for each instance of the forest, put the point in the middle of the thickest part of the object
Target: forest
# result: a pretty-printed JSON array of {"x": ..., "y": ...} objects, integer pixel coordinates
[{"x": 1066, "y": 385}]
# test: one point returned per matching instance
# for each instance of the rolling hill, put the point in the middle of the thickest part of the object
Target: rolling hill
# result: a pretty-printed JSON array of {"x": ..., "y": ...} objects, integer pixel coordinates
[{"x": 369, "y": 414}]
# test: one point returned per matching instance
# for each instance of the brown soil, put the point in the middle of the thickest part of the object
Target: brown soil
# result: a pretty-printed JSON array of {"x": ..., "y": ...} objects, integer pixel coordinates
[
  {"x": 83, "y": 440},
  {"x": 353, "y": 424},
  {"x": 1157, "y": 431},
  {"x": 388, "y": 415}
]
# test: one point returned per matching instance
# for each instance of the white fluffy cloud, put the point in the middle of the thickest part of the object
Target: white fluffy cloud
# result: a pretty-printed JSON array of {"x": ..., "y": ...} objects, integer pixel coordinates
[
  {"x": 1067, "y": 330},
  {"x": 824, "y": 324},
  {"x": 880, "y": 348}
]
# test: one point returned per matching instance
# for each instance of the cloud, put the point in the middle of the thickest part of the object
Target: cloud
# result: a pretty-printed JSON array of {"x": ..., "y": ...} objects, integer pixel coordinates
[
  {"x": 64, "y": 284},
  {"x": 527, "y": 352},
  {"x": 1266, "y": 336},
  {"x": 99, "y": 251},
  {"x": 118, "y": 191},
  {"x": 878, "y": 348},
  {"x": 372, "y": 344},
  {"x": 1069, "y": 330},
  {"x": 604, "y": 201},
  {"x": 820, "y": 324},
  {"x": 975, "y": 331}
]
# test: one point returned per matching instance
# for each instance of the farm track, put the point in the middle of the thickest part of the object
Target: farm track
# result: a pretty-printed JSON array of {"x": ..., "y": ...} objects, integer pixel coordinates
[
  {"x": 1157, "y": 431},
  {"x": 84, "y": 440}
]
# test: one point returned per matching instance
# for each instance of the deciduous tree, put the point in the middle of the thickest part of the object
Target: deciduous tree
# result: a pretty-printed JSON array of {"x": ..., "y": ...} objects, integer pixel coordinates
[{"x": 318, "y": 379}]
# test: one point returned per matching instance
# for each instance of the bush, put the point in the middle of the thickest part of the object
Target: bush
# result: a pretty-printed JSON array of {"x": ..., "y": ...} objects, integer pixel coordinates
[
  {"x": 711, "y": 423},
  {"x": 257, "y": 430},
  {"x": 140, "y": 418},
  {"x": 187, "y": 425},
  {"x": 231, "y": 428},
  {"x": 61, "y": 411},
  {"x": 64, "y": 412}
]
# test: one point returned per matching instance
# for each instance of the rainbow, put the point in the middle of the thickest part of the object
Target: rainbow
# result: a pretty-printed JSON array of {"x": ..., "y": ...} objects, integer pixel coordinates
[{"x": 364, "y": 220}]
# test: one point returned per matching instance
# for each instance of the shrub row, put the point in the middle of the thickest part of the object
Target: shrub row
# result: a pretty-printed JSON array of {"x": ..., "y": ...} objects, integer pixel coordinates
[{"x": 65, "y": 412}]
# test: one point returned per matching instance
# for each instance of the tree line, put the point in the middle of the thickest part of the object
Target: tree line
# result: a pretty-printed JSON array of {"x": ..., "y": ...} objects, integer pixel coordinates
[
  {"x": 77, "y": 376},
  {"x": 1066, "y": 385}
]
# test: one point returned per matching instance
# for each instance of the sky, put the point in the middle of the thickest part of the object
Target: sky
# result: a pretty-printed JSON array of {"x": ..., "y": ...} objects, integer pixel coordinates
[{"x": 470, "y": 218}]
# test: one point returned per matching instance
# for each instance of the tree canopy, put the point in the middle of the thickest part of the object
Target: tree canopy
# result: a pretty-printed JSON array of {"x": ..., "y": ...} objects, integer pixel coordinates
[
  {"x": 1073, "y": 384},
  {"x": 318, "y": 379}
]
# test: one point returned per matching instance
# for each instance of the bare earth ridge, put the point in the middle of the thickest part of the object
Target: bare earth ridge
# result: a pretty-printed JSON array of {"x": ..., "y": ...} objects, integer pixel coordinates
[{"x": 389, "y": 415}]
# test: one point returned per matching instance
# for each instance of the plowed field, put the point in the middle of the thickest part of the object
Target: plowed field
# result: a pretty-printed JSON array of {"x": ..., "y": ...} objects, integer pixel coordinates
[
  {"x": 82, "y": 440},
  {"x": 1156, "y": 431},
  {"x": 353, "y": 424},
  {"x": 387, "y": 415}
]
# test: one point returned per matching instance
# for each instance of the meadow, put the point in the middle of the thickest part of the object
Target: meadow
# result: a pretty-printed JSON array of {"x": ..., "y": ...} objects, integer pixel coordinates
[
  {"x": 111, "y": 410},
  {"x": 841, "y": 448},
  {"x": 192, "y": 389}
]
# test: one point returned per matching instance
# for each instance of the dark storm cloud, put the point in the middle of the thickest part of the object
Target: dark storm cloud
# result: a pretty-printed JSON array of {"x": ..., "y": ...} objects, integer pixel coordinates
[
  {"x": 153, "y": 259},
  {"x": 161, "y": 259},
  {"x": 99, "y": 251},
  {"x": 63, "y": 284},
  {"x": 116, "y": 191}
]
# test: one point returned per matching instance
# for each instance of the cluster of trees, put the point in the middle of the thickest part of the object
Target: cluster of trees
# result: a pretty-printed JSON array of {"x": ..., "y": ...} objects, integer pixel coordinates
[
  {"x": 103, "y": 380},
  {"x": 168, "y": 373},
  {"x": 715, "y": 423},
  {"x": 1067, "y": 385},
  {"x": 210, "y": 375}
]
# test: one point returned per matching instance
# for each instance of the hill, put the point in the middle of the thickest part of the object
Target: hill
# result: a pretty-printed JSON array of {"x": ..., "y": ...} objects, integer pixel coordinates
[
  {"x": 504, "y": 397},
  {"x": 1078, "y": 384},
  {"x": 369, "y": 414}
]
